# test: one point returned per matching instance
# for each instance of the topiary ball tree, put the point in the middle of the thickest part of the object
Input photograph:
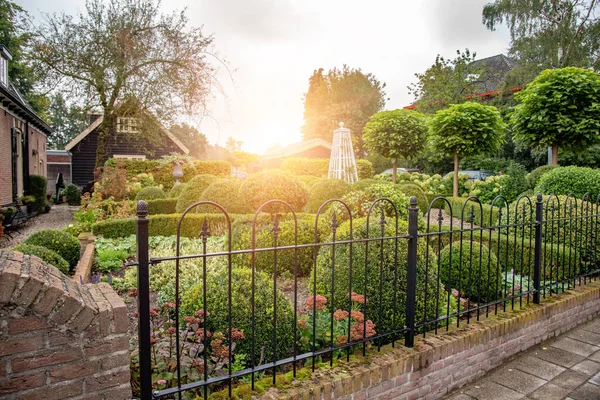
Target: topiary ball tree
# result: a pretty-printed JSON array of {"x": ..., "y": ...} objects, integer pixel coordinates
[
  {"x": 474, "y": 273},
  {"x": 560, "y": 108},
  {"x": 227, "y": 193},
  {"x": 324, "y": 190},
  {"x": 274, "y": 185},
  {"x": 67, "y": 246},
  {"x": 466, "y": 129},
  {"x": 177, "y": 190},
  {"x": 193, "y": 191},
  {"x": 47, "y": 255},
  {"x": 574, "y": 181},
  {"x": 395, "y": 134},
  {"x": 150, "y": 193}
]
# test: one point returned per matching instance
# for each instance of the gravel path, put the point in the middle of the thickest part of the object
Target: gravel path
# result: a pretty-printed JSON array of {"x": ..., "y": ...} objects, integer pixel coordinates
[
  {"x": 456, "y": 222},
  {"x": 58, "y": 217}
]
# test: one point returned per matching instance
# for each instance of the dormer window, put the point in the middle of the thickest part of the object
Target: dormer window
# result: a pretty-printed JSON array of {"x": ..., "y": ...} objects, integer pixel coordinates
[
  {"x": 128, "y": 125},
  {"x": 5, "y": 56}
]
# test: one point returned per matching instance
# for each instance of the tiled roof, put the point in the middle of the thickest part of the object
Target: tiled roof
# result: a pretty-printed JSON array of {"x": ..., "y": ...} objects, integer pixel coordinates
[
  {"x": 296, "y": 148},
  {"x": 494, "y": 69},
  {"x": 11, "y": 92}
]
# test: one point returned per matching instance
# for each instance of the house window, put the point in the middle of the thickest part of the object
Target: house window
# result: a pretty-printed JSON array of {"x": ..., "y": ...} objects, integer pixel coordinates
[
  {"x": 128, "y": 125},
  {"x": 130, "y": 156},
  {"x": 4, "y": 71}
]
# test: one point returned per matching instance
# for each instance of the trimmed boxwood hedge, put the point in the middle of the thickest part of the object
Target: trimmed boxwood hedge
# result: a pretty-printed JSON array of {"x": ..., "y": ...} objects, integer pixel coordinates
[
  {"x": 65, "y": 245},
  {"x": 177, "y": 190},
  {"x": 274, "y": 184},
  {"x": 324, "y": 190},
  {"x": 320, "y": 167},
  {"x": 150, "y": 193},
  {"x": 412, "y": 189},
  {"x": 37, "y": 188},
  {"x": 534, "y": 176},
  {"x": 457, "y": 208},
  {"x": 192, "y": 193},
  {"x": 162, "y": 206},
  {"x": 47, "y": 255},
  {"x": 227, "y": 193},
  {"x": 574, "y": 181}
]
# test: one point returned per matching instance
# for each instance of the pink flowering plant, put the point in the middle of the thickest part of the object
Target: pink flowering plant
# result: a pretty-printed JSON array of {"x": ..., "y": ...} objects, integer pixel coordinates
[
  {"x": 191, "y": 352},
  {"x": 345, "y": 324}
]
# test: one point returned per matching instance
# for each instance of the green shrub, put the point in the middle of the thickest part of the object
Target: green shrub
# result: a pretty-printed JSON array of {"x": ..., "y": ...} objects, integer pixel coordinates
[
  {"x": 47, "y": 255},
  {"x": 227, "y": 193},
  {"x": 472, "y": 269},
  {"x": 320, "y": 167},
  {"x": 391, "y": 277},
  {"x": 110, "y": 260},
  {"x": 362, "y": 184},
  {"x": 163, "y": 225},
  {"x": 217, "y": 302},
  {"x": 412, "y": 189},
  {"x": 324, "y": 190},
  {"x": 457, "y": 204},
  {"x": 177, "y": 190},
  {"x": 309, "y": 180},
  {"x": 212, "y": 167},
  {"x": 65, "y": 245},
  {"x": 515, "y": 182},
  {"x": 575, "y": 181},
  {"x": 365, "y": 169},
  {"x": 360, "y": 201},
  {"x": 150, "y": 193},
  {"x": 37, "y": 188},
  {"x": 193, "y": 192},
  {"x": 274, "y": 185},
  {"x": 242, "y": 240},
  {"x": 162, "y": 206},
  {"x": 73, "y": 193}
]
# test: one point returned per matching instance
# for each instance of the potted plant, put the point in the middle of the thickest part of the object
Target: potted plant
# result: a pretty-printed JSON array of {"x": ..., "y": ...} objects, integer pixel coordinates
[{"x": 26, "y": 201}]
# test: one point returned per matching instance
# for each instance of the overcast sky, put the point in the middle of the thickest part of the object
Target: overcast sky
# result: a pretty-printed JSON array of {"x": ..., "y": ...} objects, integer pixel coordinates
[{"x": 272, "y": 47}]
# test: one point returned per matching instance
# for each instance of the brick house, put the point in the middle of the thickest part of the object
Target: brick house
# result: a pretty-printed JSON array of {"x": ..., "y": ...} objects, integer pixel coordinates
[{"x": 22, "y": 138}]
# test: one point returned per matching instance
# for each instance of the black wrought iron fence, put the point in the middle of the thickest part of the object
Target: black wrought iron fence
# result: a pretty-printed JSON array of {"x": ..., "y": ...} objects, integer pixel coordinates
[{"x": 352, "y": 283}]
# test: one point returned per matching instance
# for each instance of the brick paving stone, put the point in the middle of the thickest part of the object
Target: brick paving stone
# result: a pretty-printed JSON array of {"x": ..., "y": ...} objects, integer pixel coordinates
[
  {"x": 584, "y": 336},
  {"x": 595, "y": 356},
  {"x": 569, "y": 379},
  {"x": 460, "y": 396},
  {"x": 488, "y": 390},
  {"x": 549, "y": 392},
  {"x": 558, "y": 356},
  {"x": 586, "y": 392},
  {"x": 587, "y": 367},
  {"x": 595, "y": 379},
  {"x": 575, "y": 346},
  {"x": 517, "y": 380},
  {"x": 593, "y": 326},
  {"x": 537, "y": 367}
]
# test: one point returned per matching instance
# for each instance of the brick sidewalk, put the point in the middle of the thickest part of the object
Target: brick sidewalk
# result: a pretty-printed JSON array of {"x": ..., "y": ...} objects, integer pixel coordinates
[{"x": 566, "y": 367}]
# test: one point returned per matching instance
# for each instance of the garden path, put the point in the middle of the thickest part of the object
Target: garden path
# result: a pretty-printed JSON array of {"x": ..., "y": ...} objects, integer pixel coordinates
[
  {"x": 59, "y": 216},
  {"x": 565, "y": 367}
]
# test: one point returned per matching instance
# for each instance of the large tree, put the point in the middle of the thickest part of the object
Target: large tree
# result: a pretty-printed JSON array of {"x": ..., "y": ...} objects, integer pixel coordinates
[
  {"x": 560, "y": 108},
  {"x": 342, "y": 95},
  {"x": 395, "y": 134},
  {"x": 67, "y": 121},
  {"x": 465, "y": 130},
  {"x": 122, "y": 55},
  {"x": 15, "y": 36},
  {"x": 548, "y": 33},
  {"x": 192, "y": 138}
]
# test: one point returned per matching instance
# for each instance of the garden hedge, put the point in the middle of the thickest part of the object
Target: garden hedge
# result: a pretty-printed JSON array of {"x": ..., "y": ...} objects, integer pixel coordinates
[
  {"x": 274, "y": 184},
  {"x": 47, "y": 255},
  {"x": 227, "y": 193},
  {"x": 320, "y": 167},
  {"x": 192, "y": 193},
  {"x": 73, "y": 193},
  {"x": 575, "y": 181},
  {"x": 457, "y": 209},
  {"x": 412, "y": 189},
  {"x": 475, "y": 274},
  {"x": 65, "y": 245},
  {"x": 162, "y": 206},
  {"x": 534, "y": 176},
  {"x": 37, "y": 188},
  {"x": 176, "y": 191},
  {"x": 323, "y": 190},
  {"x": 391, "y": 277},
  {"x": 150, "y": 193}
]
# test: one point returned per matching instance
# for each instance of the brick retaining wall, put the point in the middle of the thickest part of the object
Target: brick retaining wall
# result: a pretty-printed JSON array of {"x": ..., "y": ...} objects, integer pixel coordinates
[
  {"x": 443, "y": 362},
  {"x": 59, "y": 339}
]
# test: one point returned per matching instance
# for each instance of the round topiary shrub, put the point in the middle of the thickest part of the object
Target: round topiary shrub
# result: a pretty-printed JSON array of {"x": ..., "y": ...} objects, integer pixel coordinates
[
  {"x": 274, "y": 185},
  {"x": 47, "y": 255},
  {"x": 474, "y": 273},
  {"x": 575, "y": 181},
  {"x": 150, "y": 193},
  {"x": 65, "y": 245},
  {"x": 73, "y": 193},
  {"x": 177, "y": 190},
  {"x": 241, "y": 292},
  {"x": 192, "y": 193},
  {"x": 227, "y": 193},
  {"x": 389, "y": 275},
  {"x": 412, "y": 189},
  {"x": 324, "y": 190}
]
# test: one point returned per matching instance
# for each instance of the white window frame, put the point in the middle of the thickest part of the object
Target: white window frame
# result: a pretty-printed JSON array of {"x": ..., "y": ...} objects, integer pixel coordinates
[
  {"x": 4, "y": 71},
  {"x": 128, "y": 125},
  {"x": 140, "y": 157}
]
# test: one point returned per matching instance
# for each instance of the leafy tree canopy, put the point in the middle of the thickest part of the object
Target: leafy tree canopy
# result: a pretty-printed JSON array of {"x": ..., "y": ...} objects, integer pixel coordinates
[
  {"x": 548, "y": 34},
  {"x": 465, "y": 130},
  {"x": 124, "y": 49},
  {"x": 395, "y": 134},
  {"x": 66, "y": 122},
  {"x": 14, "y": 35},
  {"x": 560, "y": 108},
  {"x": 195, "y": 141},
  {"x": 347, "y": 95}
]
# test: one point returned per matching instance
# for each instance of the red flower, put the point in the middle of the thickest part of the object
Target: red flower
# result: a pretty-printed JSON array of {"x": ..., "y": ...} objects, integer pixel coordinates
[
  {"x": 171, "y": 330},
  {"x": 339, "y": 315},
  {"x": 201, "y": 313},
  {"x": 132, "y": 292},
  {"x": 357, "y": 316},
  {"x": 236, "y": 334},
  {"x": 169, "y": 305},
  {"x": 302, "y": 323},
  {"x": 316, "y": 302},
  {"x": 358, "y": 298},
  {"x": 358, "y": 331},
  {"x": 200, "y": 334}
]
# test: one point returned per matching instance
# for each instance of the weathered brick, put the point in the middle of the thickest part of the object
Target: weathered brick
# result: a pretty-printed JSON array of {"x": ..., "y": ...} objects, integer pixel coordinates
[
  {"x": 48, "y": 298},
  {"x": 26, "y": 324},
  {"x": 71, "y": 304},
  {"x": 47, "y": 358},
  {"x": 8, "y": 279},
  {"x": 74, "y": 370},
  {"x": 19, "y": 383},
  {"x": 102, "y": 382},
  {"x": 21, "y": 344},
  {"x": 122, "y": 392},
  {"x": 58, "y": 391},
  {"x": 115, "y": 361},
  {"x": 108, "y": 345}
]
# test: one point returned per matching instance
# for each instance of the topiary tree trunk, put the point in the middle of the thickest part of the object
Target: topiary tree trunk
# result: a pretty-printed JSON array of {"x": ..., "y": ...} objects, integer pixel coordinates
[{"x": 554, "y": 154}]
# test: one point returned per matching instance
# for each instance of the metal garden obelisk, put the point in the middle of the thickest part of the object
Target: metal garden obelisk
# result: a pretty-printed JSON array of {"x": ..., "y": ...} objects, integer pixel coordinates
[{"x": 342, "y": 164}]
